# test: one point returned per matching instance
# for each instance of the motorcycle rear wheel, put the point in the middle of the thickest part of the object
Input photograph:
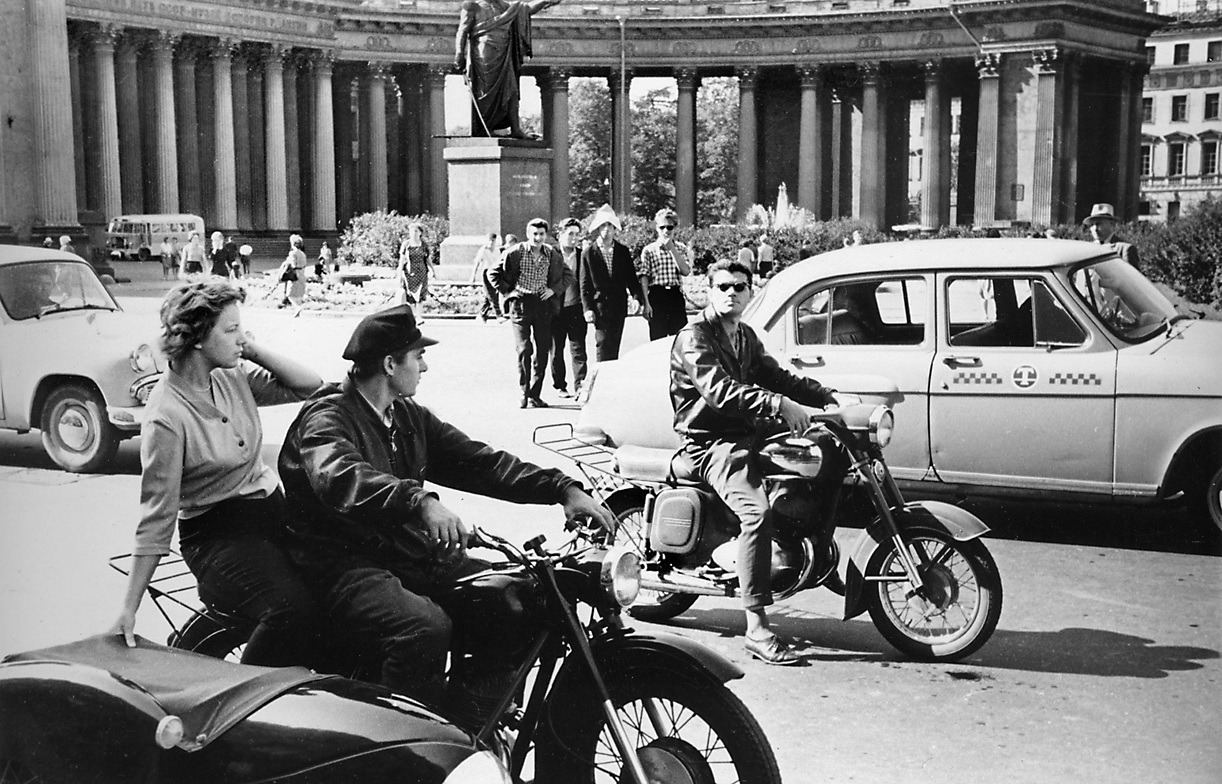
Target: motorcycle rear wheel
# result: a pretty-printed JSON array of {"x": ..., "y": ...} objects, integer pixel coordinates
[
  {"x": 203, "y": 635},
  {"x": 713, "y": 738},
  {"x": 962, "y": 604},
  {"x": 650, "y": 606}
]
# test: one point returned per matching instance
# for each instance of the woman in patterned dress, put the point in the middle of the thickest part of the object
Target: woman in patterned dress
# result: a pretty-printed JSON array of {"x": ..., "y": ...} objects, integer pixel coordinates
[{"x": 415, "y": 258}]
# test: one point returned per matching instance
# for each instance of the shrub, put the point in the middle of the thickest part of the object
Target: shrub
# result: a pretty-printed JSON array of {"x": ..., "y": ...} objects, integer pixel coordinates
[
  {"x": 373, "y": 238},
  {"x": 1186, "y": 254}
]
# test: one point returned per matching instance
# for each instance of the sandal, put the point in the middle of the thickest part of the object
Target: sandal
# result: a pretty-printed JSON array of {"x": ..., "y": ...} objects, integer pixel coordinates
[{"x": 772, "y": 650}]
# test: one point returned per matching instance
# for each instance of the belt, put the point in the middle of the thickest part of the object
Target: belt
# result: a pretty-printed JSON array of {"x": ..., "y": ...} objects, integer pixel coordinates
[{"x": 668, "y": 288}]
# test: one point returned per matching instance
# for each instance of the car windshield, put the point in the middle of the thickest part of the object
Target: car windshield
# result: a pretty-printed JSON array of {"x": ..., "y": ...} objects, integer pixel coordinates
[
  {"x": 1123, "y": 299},
  {"x": 757, "y": 297},
  {"x": 36, "y": 288}
]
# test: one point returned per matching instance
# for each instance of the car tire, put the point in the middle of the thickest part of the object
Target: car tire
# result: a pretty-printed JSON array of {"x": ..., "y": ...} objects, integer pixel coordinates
[
  {"x": 1206, "y": 501},
  {"x": 144, "y": 254},
  {"x": 76, "y": 432}
]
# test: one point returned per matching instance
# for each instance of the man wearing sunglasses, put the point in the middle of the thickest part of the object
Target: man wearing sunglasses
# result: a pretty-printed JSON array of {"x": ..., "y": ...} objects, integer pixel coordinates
[
  {"x": 662, "y": 265},
  {"x": 724, "y": 388}
]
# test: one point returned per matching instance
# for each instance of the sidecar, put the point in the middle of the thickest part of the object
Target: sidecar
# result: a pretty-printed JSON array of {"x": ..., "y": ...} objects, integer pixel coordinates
[{"x": 97, "y": 711}]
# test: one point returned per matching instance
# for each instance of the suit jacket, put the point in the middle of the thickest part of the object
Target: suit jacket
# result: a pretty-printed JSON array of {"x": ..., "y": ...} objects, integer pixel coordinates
[
  {"x": 504, "y": 275},
  {"x": 603, "y": 291}
]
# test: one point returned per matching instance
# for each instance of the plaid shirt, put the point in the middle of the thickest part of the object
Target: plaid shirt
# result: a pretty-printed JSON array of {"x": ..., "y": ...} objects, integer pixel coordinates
[
  {"x": 658, "y": 266},
  {"x": 532, "y": 278}
]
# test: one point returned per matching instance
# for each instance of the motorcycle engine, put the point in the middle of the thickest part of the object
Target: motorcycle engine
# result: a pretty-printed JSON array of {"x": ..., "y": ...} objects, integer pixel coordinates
[{"x": 794, "y": 505}]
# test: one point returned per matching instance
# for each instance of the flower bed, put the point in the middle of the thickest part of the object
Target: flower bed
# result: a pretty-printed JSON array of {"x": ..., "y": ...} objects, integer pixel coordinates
[{"x": 377, "y": 292}]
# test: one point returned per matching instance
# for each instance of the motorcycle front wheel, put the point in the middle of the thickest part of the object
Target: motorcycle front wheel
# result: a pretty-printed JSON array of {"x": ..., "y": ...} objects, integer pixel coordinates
[
  {"x": 957, "y": 610},
  {"x": 650, "y": 606},
  {"x": 698, "y": 733}
]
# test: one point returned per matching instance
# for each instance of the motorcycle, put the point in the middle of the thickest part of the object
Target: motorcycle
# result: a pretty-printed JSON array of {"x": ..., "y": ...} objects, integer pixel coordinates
[
  {"x": 593, "y": 700},
  {"x": 919, "y": 569}
]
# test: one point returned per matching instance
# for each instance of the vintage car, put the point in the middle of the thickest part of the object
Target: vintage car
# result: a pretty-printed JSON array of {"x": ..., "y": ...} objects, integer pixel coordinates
[
  {"x": 1028, "y": 367},
  {"x": 96, "y": 711},
  {"x": 72, "y": 363}
]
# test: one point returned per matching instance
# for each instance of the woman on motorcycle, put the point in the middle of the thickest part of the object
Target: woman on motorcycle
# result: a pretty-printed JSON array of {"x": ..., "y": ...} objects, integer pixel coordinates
[{"x": 201, "y": 468}]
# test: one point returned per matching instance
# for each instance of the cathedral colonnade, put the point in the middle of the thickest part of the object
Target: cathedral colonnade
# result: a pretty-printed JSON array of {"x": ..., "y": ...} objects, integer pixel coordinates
[{"x": 267, "y": 117}]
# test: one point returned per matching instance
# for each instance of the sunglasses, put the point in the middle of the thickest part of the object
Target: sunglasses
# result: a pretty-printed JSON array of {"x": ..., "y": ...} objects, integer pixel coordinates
[
  {"x": 667, "y": 228},
  {"x": 739, "y": 287}
]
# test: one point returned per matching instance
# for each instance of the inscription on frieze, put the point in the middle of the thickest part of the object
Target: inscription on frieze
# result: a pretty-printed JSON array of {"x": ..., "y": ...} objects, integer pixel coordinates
[
  {"x": 200, "y": 13},
  {"x": 870, "y": 42},
  {"x": 379, "y": 43},
  {"x": 931, "y": 39}
]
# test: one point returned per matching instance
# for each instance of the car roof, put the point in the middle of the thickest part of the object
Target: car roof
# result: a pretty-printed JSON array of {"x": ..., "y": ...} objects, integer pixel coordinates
[
  {"x": 161, "y": 216},
  {"x": 16, "y": 254}
]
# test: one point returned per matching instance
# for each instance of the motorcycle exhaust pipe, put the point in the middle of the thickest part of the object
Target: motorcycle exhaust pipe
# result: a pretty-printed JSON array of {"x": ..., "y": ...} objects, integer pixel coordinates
[{"x": 684, "y": 584}]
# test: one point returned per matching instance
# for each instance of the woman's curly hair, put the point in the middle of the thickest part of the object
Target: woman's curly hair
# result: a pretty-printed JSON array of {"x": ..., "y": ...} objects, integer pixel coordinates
[{"x": 190, "y": 310}]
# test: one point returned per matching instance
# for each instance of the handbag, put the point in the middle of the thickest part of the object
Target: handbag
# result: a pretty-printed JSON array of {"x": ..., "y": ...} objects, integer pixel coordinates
[{"x": 289, "y": 275}]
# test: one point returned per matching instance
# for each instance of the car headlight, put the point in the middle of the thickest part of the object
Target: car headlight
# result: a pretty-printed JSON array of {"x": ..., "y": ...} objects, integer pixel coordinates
[
  {"x": 621, "y": 575},
  {"x": 142, "y": 360},
  {"x": 169, "y": 732},
  {"x": 882, "y": 425},
  {"x": 482, "y": 767}
]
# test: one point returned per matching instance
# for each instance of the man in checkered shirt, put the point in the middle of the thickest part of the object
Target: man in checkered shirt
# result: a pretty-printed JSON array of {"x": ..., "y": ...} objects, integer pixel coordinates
[
  {"x": 532, "y": 278},
  {"x": 661, "y": 268}
]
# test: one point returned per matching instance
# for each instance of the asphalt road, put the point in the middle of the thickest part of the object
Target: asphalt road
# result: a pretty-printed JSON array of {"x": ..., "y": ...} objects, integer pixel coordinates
[{"x": 1105, "y": 667}]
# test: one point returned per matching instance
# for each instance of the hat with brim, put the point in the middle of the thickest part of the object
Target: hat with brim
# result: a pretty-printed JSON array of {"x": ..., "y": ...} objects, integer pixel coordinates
[
  {"x": 386, "y": 332},
  {"x": 604, "y": 214},
  {"x": 1099, "y": 212}
]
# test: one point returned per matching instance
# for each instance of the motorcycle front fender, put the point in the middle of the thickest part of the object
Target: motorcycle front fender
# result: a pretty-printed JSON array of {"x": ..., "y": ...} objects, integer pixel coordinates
[{"x": 958, "y": 523}]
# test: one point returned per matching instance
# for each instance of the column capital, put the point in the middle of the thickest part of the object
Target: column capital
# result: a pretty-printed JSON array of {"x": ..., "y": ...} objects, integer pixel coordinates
[
  {"x": 321, "y": 60},
  {"x": 619, "y": 80},
  {"x": 988, "y": 65},
  {"x": 164, "y": 43},
  {"x": 277, "y": 55},
  {"x": 224, "y": 48},
  {"x": 131, "y": 42},
  {"x": 559, "y": 77},
  {"x": 687, "y": 77},
  {"x": 378, "y": 70},
  {"x": 435, "y": 75},
  {"x": 810, "y": 74},
  {"x": 186, "y": 51},
  {"x": 104, "y": 36},
  {"x": 934, "y": 69},
  {"x": 871, "y": 72},
  {"x": 1047, "y": 61},
  {"x": 748, "y": 76}
]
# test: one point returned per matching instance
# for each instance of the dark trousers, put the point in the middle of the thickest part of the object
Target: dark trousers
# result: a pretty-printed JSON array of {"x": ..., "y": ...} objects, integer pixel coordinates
[
  {"x": 532, "y": 336},
  {"x": 235, "y": 554},
  {"x": 608, "y": 332},
  {"x": 492, "y": 299},
  {"x": 669, "y": 311},
  {"x": 570, "y": 325}
]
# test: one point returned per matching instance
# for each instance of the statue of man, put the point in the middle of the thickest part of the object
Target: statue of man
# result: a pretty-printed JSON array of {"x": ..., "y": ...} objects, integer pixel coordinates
[{"x": 493, "y": 39}]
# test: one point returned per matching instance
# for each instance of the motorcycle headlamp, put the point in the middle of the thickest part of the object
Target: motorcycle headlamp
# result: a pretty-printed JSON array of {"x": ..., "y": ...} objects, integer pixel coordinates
[
  {"x": 482, "y": 767},
  {"x": 621, "y": 575},
  {"x": 142, "y": 360},
  {"x": 882, "y": 425}
]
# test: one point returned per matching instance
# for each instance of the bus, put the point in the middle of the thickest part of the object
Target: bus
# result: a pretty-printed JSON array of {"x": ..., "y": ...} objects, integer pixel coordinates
[{"x": 139, "y": 236}]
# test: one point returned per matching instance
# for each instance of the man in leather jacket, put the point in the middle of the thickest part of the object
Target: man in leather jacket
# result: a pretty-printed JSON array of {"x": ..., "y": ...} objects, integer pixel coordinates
[
  {"x": 723, "y": 388},
  {"x": 379, "y": 548}
]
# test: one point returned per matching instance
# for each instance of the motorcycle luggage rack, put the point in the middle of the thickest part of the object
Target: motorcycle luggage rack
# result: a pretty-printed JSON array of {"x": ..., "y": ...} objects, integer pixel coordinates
[
  {"x": 595, "y": 461},
  {"x": 171, "y": 580}
]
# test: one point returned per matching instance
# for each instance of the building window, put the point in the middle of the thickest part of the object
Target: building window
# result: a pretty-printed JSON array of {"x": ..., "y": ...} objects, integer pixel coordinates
[
  {"x": 1150, "y": 55},
  {"x": 1209, "y": 157},
  {"x": 1181, "y": 54},
  {"x": 1214, "y": 52},
  {"x": 1147, "y": 110},
  {"x": 1179, "y": 108},
  {"x": 1175, "y": 159},
  {"x": 1211, "y": 105},
  {"x": 1147, "y": 154}
]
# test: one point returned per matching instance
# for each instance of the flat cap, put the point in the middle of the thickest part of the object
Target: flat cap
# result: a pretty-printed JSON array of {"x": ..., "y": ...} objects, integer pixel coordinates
[{"x": 386, "y": 332}]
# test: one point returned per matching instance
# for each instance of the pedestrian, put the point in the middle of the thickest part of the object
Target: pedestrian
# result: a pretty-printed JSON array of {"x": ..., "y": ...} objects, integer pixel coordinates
[
  {"x": 292, "y": 273},
  {"x": 661, "y": 268},
  {"x": 806, "y": 252},
  {"x": 193, "y": 256},
  {"x": 223, "y": 255},
  {"x": 856, "y": 239},
  {"x": 244, "y": 254},
  {"x": 746, "y": 255},
  {"x": 486, "y": 258},
  {"x": 764, "y": 257},
  {"x": 530, "y": 279},
  {"x": 569, "y": 324},
  {"x": 65, "y": 244},
  {"x": 326, "y": 259},
  {"x": 415, "y": 258},
  {"x": 48, "y": 243},
  {"x": 202, "y": 470},
  {"x": 606, "y": 278},
  {"x": 168, "y": 254},
  {"x": 1102, "y": 224}
]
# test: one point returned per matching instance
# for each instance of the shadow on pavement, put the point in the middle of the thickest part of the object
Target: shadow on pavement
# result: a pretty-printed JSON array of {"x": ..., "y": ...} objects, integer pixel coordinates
[{"x": 26, "y": 451}]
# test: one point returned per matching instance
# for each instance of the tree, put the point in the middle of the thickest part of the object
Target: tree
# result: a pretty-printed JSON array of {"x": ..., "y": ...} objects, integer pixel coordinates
[
  {"x": 589, "y": 145},
  {"x": 717, "y": 150},
  {"x": 653, "y": 152}
]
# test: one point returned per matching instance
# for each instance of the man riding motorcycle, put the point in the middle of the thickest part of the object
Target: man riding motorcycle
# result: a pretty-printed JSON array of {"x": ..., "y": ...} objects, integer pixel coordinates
[
  {"x": 378, "y": 548},
  {"x": 724, "y": 387}
]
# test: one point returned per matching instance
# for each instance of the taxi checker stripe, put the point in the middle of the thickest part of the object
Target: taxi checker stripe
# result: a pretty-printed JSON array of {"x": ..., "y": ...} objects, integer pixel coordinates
[
  {"x": 977, "y": 378},
  {"x": 1075, "y": 379}
]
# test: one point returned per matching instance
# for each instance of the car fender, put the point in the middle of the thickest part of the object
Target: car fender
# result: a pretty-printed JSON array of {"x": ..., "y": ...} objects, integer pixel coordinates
[{"x": 957, "y": 522}]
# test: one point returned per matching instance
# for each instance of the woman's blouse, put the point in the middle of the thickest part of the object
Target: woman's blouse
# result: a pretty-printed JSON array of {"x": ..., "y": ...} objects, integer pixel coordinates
[{"x": 195, "y": 454}]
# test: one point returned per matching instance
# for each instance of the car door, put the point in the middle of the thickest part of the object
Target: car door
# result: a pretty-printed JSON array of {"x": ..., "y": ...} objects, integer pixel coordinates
[
  {"x": 848, "y": 333},
  {"x": 1022, "y": 392}
]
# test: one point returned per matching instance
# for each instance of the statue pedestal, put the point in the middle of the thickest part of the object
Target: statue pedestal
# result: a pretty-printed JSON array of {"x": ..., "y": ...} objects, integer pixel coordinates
[{"x": 496, "y": 185}]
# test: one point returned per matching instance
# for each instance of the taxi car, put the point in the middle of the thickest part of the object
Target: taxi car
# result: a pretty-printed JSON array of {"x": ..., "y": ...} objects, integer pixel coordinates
[
  {"x": 72, "y": 363},
  {"x": 1026, "y": 367}
]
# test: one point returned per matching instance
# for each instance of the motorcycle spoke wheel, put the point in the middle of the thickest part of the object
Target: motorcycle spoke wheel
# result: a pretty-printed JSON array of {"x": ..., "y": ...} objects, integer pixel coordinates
[
  {"x": 651, "y": 606},
  {"x": 13, "y": 772},
  {"x": 955, "y": 612}
]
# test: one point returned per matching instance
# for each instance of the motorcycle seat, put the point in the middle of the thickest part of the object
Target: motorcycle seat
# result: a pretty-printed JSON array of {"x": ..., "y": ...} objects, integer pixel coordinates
[{"x": 651, "y": 464}]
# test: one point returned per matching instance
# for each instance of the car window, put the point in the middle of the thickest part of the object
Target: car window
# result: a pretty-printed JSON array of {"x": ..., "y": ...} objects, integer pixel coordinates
[
  {"x": 1009, "y": 311},
  {"x": 887, "y": 312},
  {"x": 1125, "y": 301},
  {"x": 37, "y": 288}
]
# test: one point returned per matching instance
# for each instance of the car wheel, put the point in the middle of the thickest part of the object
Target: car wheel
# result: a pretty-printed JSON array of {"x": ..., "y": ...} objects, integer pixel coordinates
[
  {"x": 144, "y": 254},
  {"x": 75, "y": 430},
  {"x": 1207, "y": 500}
]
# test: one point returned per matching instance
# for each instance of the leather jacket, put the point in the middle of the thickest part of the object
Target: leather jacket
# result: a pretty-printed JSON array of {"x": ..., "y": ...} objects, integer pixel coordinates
[
  {"x": 720, "y": 390},
  {"x": 347, "y": 493}
]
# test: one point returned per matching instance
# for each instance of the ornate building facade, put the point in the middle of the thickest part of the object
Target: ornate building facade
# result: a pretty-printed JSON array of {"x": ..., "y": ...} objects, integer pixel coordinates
[{"x": 266, "y": 116}]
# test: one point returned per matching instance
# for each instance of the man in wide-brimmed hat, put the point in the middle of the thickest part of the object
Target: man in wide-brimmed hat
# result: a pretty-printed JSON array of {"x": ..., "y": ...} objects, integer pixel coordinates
[
  {"x": 1102, "y": 224},
  {"x": 606, "y": 277}
]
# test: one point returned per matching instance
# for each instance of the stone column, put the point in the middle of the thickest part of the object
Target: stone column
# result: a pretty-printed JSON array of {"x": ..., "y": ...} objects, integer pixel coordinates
[
  {"x": 687, "y": 79},
  {"x": 128, "y": 94},
  {"x": 226, "y": 208},
  {"x": 53, "y": 115},
  {"x": 110, "y": 193},
  {"x": 1125, "y": 139},
  {"x": 78, "y": 118},
  {"x": 166, "y": 129},
  {"x": 379, "y": 198},
  {"x": 748, "y": 149},
  {"x": 842, "y": 153},
  {"x": 557, "y": 97},
  {"x": 988, "y": 67},
  {"x": 256, "y": 129},
  {"x": 275, "y": 136},
  {"x": 1069, "y": 140},
  {"x": 621, "y": 142},
  {"x": 240, "y": 120},
  {"x": 190, "y": 197},
  {"x": 1137, "y": 75},
  {"x": 292, "y": 146},
  {"x": 935, "y": 182},
  {"x": 439, "y": 181},
  {"x": 872, "y": 160},
  {"x": 410, "y": 136},
  {"x": 324, "y": 143},
  {"x": 1046, "y": 180},
  {"x": 812, "y": 140}
]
